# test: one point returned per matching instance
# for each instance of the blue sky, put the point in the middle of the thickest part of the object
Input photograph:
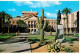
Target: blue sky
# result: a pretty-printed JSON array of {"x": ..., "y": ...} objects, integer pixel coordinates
[{"x": 51, "y": 8}]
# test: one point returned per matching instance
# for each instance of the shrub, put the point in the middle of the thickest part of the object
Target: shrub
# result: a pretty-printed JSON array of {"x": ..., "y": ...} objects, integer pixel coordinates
[
  {"x": 64, "y": 40},
  {"x": 70, "y": 41},
  {"x": 67, "y": 49}
]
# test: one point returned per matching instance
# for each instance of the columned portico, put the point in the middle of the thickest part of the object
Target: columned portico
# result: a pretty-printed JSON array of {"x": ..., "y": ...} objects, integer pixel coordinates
[{"x": 30, "y": 18}]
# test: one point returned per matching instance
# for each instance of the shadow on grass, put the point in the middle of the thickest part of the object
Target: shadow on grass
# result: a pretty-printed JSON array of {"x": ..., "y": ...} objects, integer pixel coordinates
[
  {"x": 75, "y": 39},
  {"x": 34, "y": 40}
]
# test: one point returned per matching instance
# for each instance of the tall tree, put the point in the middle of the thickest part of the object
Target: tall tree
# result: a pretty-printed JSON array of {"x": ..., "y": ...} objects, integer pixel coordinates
[
  {"x": 22, "y": 25},
  {"x": 8, "y": 17},
  {"x": 66, "y": 11},
  {"x": 2, "y": 16},
  {"x": 5, "y": 16}
]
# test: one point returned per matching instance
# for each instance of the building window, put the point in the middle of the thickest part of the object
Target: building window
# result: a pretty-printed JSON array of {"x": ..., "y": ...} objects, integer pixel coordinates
[
  {"x": 34, "y": 22},
  {"x": 34, "y": 30},
  {"x": 31, "y": 22},
  {"x": 34, "y": 26},
  {"x": 28, "y": 22},
  {"x": 29, "y": 30},
  {"x": 31, "y": 25}
]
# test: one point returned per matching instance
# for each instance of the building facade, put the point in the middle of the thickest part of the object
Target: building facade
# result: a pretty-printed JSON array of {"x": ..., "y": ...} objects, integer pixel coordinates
[
  {"x": 30, "y": 18},
  {"x": 73, "y": 22}
]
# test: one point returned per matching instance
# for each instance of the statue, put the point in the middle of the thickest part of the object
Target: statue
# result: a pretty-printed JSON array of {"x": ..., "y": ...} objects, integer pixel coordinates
[{"x": 60, "y": 29}]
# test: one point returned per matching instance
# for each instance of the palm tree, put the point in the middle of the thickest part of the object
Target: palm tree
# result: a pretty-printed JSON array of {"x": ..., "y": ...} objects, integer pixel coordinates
[
  {"x": 2, "y": 16},
  {"x": 66, "y": 11},
  {"x": 5, "y": 16},
  {"x": 64, "y": 21},
  {"x": 8, "y": 17}
]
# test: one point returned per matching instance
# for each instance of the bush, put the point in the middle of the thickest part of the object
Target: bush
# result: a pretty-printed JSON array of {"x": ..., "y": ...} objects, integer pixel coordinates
[
  {"x": 64, "y": 40},
  {"x": 67, "y": 49},
  {"x": 70, "y": 41}
]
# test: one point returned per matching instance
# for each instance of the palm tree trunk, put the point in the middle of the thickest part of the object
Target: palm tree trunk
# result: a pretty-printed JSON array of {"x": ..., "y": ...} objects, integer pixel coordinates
[
  {"x": 64, "y": 25},
  {"x": 8, "y": 29},
  {"x": 8, "y": 26},
  {"x": 2, "y": 27},
  {"x": 67, "y": 24}
]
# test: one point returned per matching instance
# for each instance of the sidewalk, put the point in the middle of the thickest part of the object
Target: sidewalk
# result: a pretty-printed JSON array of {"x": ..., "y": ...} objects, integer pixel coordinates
[{"x": 15, "y": 46}]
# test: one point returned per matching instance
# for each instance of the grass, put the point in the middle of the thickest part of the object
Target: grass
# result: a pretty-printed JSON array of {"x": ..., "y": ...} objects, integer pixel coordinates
[
  {"x": 77, "y": 35},
  {"x": 67, "y": 49},
  {"x": 36, "y": 38},
  {"x": 73, "y": 39},
  {"x": 6, "y": 36},
  {"x": 70, "y": 40}
]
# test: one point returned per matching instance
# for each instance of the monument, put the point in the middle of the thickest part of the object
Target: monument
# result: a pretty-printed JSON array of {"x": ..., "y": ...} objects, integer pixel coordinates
[{"x": 60, "y": 29}]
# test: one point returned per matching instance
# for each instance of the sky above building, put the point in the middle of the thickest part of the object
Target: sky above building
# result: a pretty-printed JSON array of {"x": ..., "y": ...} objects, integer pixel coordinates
[{"x": 15, "y": 8}]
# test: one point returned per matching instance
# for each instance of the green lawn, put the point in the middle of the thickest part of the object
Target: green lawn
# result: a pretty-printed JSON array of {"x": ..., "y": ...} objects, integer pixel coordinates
[
  {"x": 77, "y": 35},
  {"x": 72, "y": 39},
  {"x": 6, "y": 36},
  {"x": 36, "y": 38}
]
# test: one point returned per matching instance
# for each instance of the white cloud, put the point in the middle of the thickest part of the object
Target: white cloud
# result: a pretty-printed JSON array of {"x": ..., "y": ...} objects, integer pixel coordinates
[
  {"x": 38, "y": 3},
  {"x": 20, "y": 3},
  {"x": 12, "y": 9},
  {"x": 56, "y": 10},
  {"x": 51, "y": 15},
  {"x": 57, "y": 2}
]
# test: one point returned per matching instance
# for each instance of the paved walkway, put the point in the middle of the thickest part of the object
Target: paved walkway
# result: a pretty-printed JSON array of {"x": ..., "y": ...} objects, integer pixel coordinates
[
  {"x": 12, "y": 46},
  {"x": 16, "y": 47}
]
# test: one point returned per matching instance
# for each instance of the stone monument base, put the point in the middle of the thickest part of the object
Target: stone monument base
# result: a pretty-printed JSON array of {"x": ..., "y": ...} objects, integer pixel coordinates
[{"x": 60, "y": 33}]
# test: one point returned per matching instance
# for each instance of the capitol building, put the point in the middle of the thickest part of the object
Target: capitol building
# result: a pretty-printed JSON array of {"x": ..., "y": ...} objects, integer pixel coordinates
[{"x": 30, "y": 18}]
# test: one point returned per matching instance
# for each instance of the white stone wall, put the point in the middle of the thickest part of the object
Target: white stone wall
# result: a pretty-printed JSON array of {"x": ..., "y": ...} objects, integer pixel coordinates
[{"x": 71, "y": 19}]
